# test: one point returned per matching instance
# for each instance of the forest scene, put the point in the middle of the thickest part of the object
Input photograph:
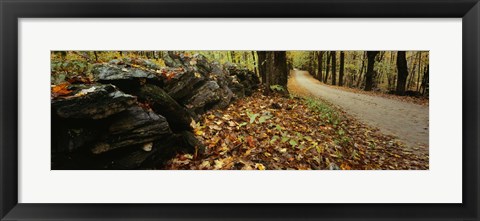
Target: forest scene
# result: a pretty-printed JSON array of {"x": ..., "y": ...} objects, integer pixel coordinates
[{"x": 239, "y": 110}]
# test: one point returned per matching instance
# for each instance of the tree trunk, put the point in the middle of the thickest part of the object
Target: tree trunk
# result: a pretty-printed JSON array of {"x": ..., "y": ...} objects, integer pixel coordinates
[
  {"x": 255, "y": 66},
  {"x": 229, "y": 56},
  {"x": 425, "y": 81},
  {"x": 314, "y": 67},
  {"x": 276, "y": 71},
  {"x": 360, "y": 75},
  {"x": 402, "y": 72},
  {"x": 413, "y": 63},
  {"x": 281, "y": 68},
  {"x": 334, "y": 68},
  {"x": 269, "y": 68},
  {"x": 310, "y": 64},
  {"x": 369, "y": 75},
  {"x": 320, "y": 62},
  {"x": 262, "y": 65},
  {"x": 342, "y": 64},
  {"x": 419, "y": 70},
  {"x": 329, "y": 56},
  {"x": 234, "y": 58}
]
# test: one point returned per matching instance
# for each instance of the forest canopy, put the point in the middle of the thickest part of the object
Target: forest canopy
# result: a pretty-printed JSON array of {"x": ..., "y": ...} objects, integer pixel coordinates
[{"x": 342, "y": 68}]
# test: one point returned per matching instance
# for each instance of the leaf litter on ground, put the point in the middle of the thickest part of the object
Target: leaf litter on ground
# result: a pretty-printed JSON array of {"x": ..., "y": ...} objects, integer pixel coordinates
[{"x": 292, "y": 133}]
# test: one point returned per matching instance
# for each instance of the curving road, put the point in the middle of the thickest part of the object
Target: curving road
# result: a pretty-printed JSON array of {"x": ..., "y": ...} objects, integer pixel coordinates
[{"x": 407, "y": 121}]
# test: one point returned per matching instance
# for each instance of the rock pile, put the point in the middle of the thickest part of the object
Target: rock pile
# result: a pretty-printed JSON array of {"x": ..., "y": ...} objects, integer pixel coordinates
[{"x": 135, "y": 114}]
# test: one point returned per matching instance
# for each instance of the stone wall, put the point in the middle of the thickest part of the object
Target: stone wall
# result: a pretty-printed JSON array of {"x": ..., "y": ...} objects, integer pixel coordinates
[{"x": 135, "y": 114}]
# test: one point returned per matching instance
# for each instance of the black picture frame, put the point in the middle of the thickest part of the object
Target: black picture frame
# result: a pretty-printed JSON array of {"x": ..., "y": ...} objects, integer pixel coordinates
[{"x": 12, "y": 10}]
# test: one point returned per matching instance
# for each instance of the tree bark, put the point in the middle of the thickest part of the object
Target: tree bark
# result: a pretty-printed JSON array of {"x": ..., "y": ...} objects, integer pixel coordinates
[
  {"x": 320, "y": 62},
  {"x": 314, "y": 68},
  {"x": 255, "y": 66},
  {"x": 342, "y": 64},
  {"x": 281, "y": 68},
  {"x": 402, "y": 72},
  {"x": 234, "y": 59},
  {"x": 370, "y": 66},
  {"x": 419, "y": 70},
  {"x": 310, "y": 64},
  {"x": 262, "y": 65},
  {"x": 329, "y": 56},
  {"x": 425, "y": 81},
  {"x": 360, "y": 76},
  {"x": 276, "y": 71},
  {"x": 334, "y": 68},
  {"x": 413, "y": 63}
]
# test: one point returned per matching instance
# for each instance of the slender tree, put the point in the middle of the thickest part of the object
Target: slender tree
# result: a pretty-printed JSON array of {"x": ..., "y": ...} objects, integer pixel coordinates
[
  {"x": 402, "y": 72},
  {"x": 329, "y": 56},
  {"x": 419, "y": 70},
  {"x": 320, "y": 60},
  {"x": 334, "y": 68},
  {"x": 310, "y": 69},
  {"x": 425, "y": 81},
  {"x": 342, "y": 64},
  {"x": 369, "y": 75},
  {"x": 360, "y": 75},
  {"x": 262, "y": 67},
  {"x": 255, "y": 66},
  {"x": 413, "y": 65}
]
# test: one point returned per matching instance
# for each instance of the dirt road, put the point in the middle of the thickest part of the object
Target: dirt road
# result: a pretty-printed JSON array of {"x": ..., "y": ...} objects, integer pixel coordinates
[{"x": 407, "y": 121}]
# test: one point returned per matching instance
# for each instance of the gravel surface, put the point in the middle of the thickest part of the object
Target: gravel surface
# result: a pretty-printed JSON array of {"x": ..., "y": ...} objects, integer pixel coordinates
[{"x": 407, "y": 121}]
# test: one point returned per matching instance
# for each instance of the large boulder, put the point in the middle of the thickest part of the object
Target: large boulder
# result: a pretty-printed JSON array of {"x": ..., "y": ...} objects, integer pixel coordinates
[
  {"x": 205, "y": 86},
  {"x": 223, "y": 80},
  {"x": 205, "y": 96},
  {"x": 69, "y": 135},
  {"x": 183, "y": 142},
  {"x": 197, "y": 70},
  {"x": 132, "y": 62},
  {"x": 181, "y": 85},
  {"x": 174, "y": 59},
  {"x": 236, "y": 87},
  {"x": 194, "y": 63},
  {"x": 92, "y": 102},
  {"x": 245, "y": 77},
  {"x": 226, "y": 96},
  {"x": 202, "y": 64},
  {"x": 112, "y": 72},
  {"x": 161, "y": 102},
  {"x": 131, "y": 127}
]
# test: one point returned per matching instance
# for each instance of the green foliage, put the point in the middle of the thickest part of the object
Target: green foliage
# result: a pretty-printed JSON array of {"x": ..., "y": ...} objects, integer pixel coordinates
[
  {"x": 264, "y": 118},
  {"x": 245, "y": 59},
  {"x": 326, "y": 112},
  {"x": 274, "y": 138},
  {"x": 252, "y": 116},
  {"x": 300, "y": 59},
  {"x": 277, "y": 88},
  {"x": 61, "y": 69},
  {"x": 242, "y": 124},
  {"x": 293, "y": 142}
]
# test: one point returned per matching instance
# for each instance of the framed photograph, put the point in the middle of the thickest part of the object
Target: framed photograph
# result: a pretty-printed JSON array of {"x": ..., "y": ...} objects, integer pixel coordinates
[{"x": 256, "y": 110}]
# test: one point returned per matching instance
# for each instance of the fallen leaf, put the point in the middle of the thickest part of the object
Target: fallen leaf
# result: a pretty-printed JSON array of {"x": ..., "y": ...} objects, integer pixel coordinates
[{"x": 259, "y": 166}]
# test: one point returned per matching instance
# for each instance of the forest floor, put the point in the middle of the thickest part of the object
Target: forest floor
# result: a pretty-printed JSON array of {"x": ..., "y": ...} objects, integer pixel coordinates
[
  {"x": 405, "y": 120},
  {"x": 296, "y": 132}
]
